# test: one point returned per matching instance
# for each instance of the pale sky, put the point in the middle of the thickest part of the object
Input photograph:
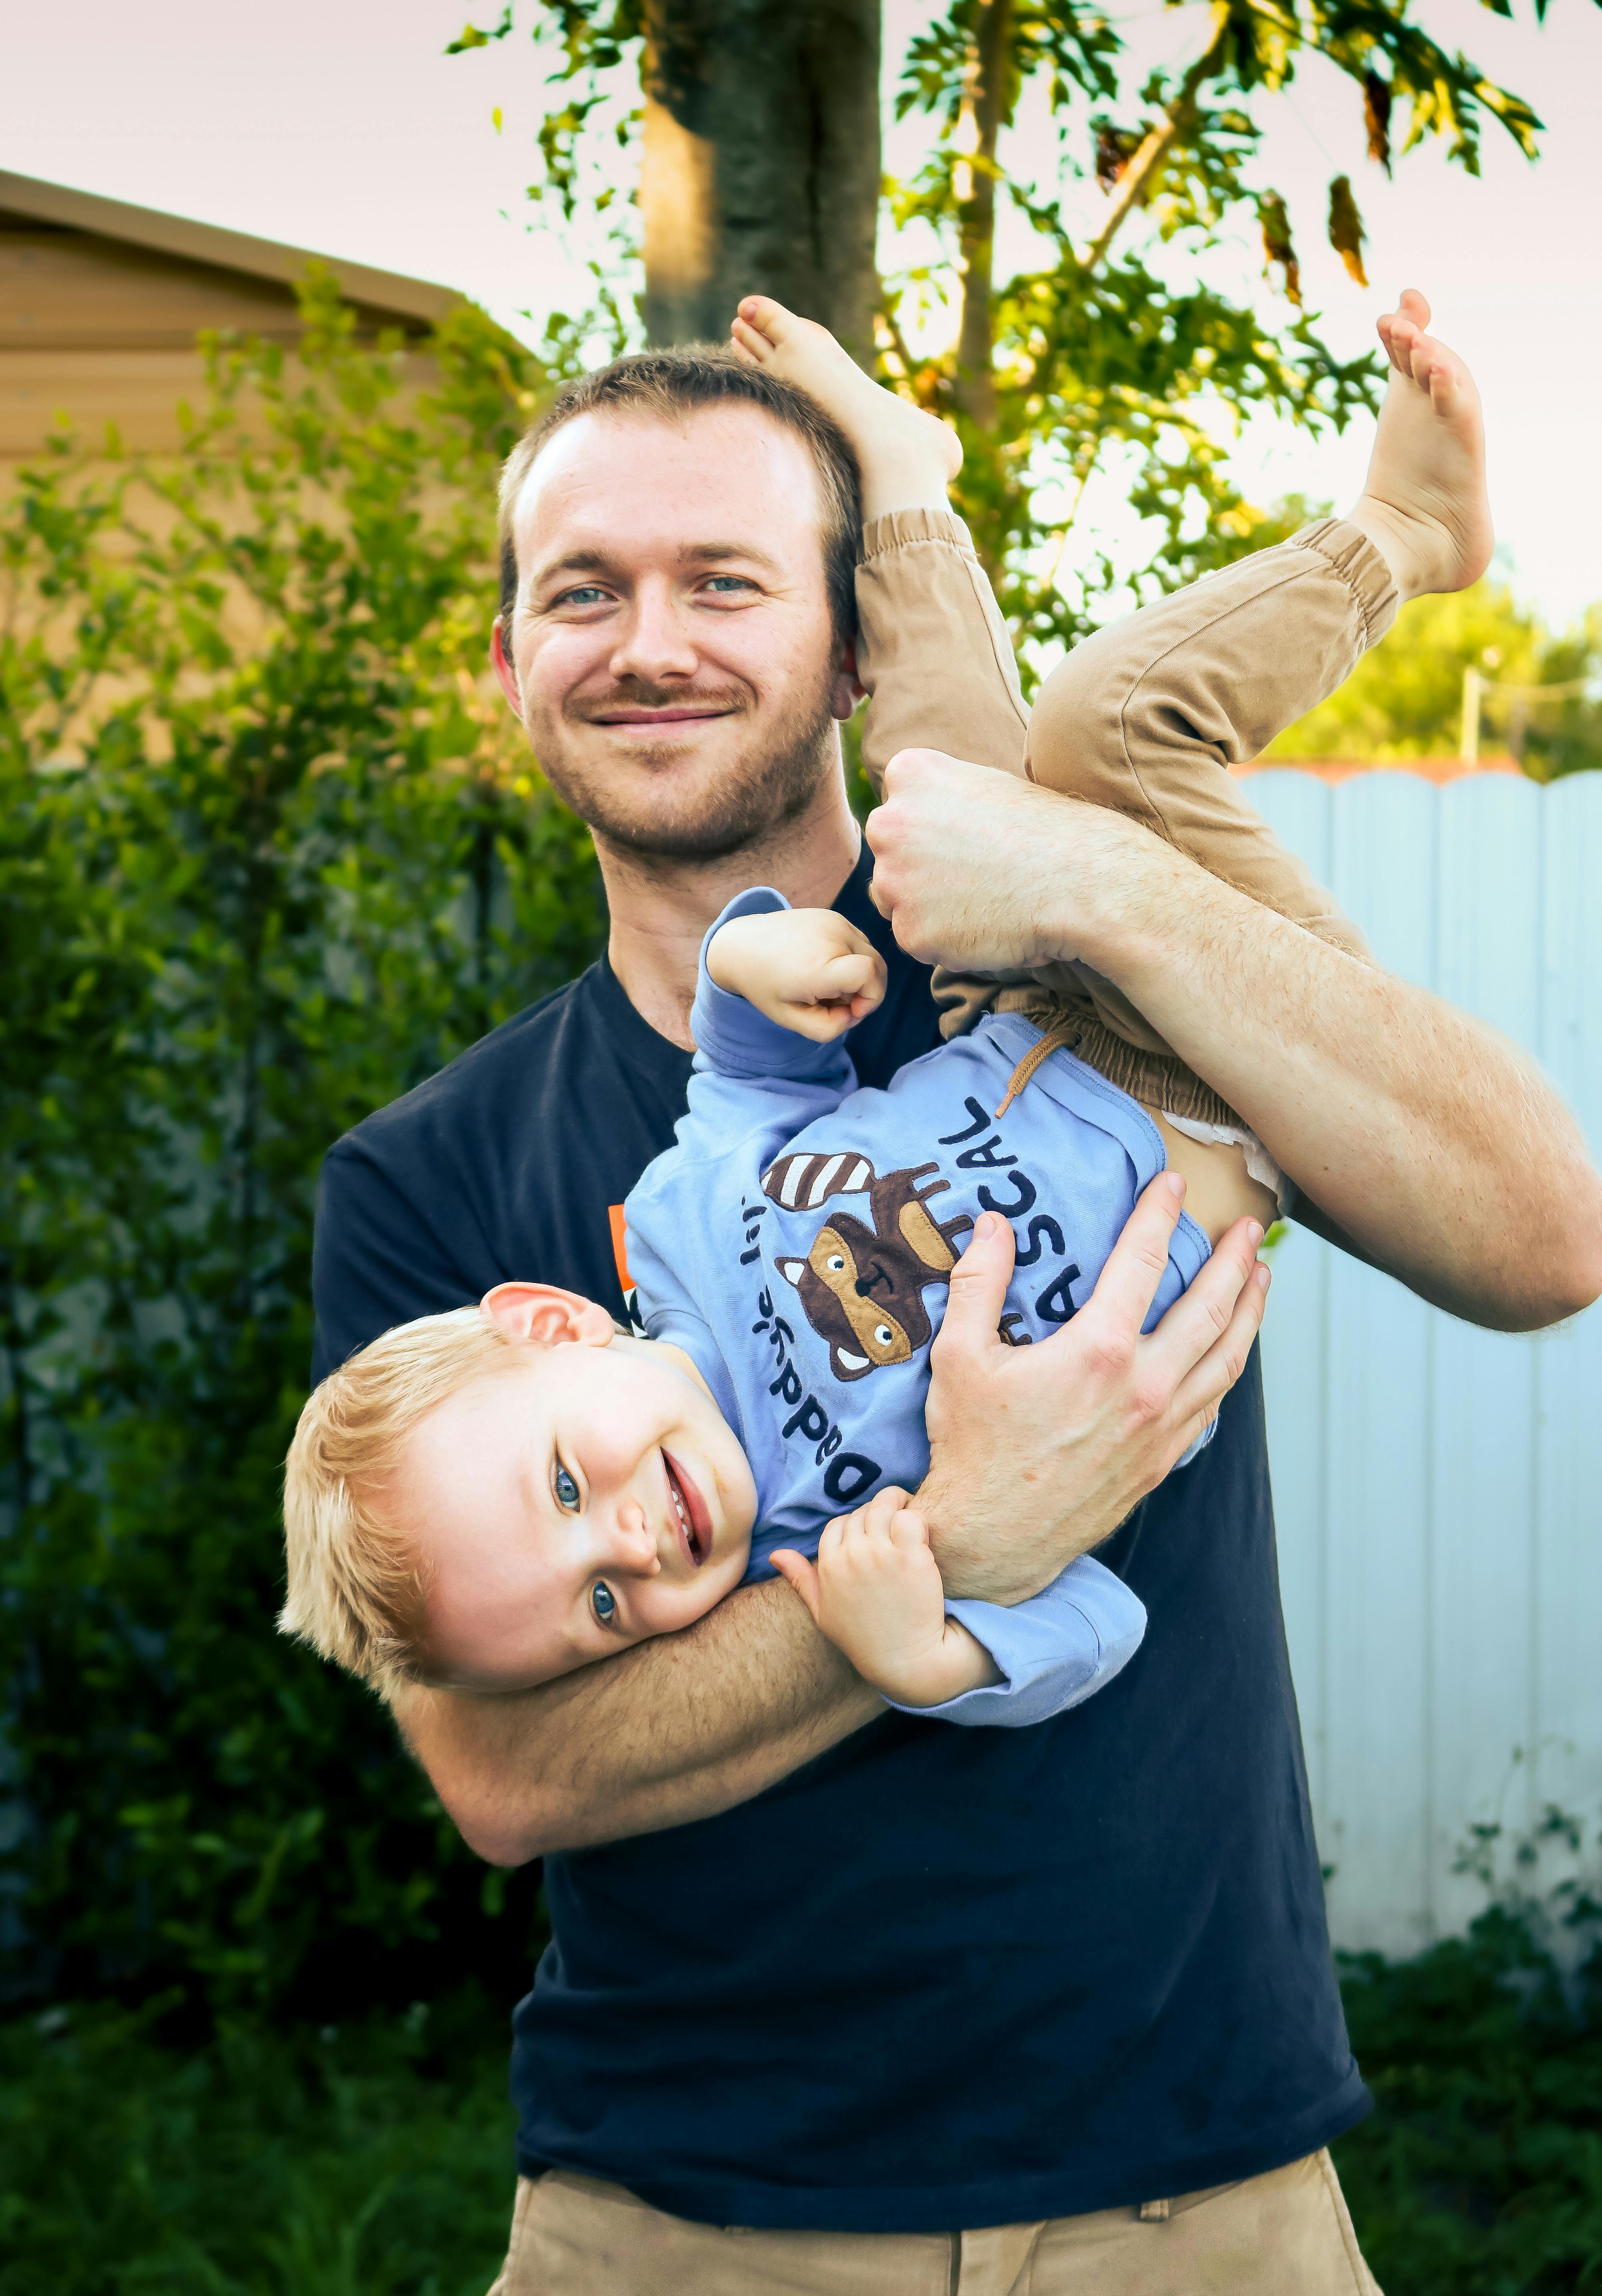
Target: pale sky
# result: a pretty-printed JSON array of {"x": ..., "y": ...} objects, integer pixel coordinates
[{"x": 338, "y": 125}]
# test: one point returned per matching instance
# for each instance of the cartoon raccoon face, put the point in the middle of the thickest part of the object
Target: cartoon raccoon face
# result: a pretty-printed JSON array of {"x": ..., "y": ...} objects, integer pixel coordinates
[
  {"x": 835, "y": 1284},
  {"x": 862, "y": 1288}
]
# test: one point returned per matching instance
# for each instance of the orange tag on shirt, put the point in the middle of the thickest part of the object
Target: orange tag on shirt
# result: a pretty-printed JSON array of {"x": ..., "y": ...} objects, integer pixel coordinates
[{"x": 614, "y": 1213}]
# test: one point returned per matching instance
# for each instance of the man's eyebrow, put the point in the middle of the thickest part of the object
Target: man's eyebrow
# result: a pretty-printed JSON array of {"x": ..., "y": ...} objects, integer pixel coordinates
[
  {"x": 575, "y": 561},
  {"x": 708, "y": 554}
]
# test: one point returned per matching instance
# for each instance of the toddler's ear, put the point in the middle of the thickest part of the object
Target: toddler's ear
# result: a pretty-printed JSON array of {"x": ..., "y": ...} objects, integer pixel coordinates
[{"x": 546, "y": 1315}]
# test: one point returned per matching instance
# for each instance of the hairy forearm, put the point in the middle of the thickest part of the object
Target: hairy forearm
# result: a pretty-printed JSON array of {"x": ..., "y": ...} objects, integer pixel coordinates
[
  {"x": 675, "y": 1729},
  {"x": 1421, "y": 1135}
]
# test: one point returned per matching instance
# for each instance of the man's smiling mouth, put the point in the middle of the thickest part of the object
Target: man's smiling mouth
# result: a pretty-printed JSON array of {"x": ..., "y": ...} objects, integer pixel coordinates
[{"x": 684, "y": 716}]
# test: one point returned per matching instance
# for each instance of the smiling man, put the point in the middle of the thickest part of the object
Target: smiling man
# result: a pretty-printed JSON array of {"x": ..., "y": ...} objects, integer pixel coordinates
[
  {"x": 837, "y": 1999},
  {"x": 699, "y": 740},
  {"x": 674, "y": 774}
]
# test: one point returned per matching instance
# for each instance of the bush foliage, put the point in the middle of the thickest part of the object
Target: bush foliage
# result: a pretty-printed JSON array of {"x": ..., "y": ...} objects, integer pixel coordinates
[
  {"x": 271, "y": 853},
  {"x": 1480, "y": 2171}
]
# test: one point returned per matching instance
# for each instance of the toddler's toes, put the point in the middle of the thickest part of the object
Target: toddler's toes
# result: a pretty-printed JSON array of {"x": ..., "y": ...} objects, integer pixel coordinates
[
  {"x": 768, "y": 319},
  {"x": 1399, "y": 336}
]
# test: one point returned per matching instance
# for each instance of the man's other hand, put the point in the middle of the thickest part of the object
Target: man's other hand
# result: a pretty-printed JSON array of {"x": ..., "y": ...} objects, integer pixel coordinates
[{"x": 1038, "y": 1454}]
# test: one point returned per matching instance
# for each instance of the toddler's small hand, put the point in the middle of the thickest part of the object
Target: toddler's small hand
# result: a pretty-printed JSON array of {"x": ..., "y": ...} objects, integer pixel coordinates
[
  {"x": 875, "y": 1592},
  {"x": 808, "y": 970}
]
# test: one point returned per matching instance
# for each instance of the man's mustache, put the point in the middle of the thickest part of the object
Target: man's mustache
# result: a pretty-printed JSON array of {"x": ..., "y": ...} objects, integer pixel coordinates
[{"x": 590, "y": 707}]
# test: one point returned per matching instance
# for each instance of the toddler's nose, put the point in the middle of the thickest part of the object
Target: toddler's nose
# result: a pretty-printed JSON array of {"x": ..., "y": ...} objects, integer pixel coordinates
[{"x": 636, "y": 1540}]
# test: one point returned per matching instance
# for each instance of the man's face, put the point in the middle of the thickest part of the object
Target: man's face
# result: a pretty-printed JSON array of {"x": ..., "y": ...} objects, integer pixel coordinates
[{"x": 676, "y": 668}]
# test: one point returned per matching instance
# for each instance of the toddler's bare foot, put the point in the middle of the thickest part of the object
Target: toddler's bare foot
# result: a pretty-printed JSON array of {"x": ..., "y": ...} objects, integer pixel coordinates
[
  {"x": 1424, "y": 504},
  {"x": 907, "y": 458}
]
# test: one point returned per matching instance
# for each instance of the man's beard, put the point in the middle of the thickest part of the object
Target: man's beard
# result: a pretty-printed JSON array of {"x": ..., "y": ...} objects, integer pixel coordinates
[{"x": 684, "y": 813}]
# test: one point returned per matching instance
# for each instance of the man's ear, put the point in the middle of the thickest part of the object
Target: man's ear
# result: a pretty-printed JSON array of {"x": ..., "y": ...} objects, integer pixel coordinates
[
  {"x": 547, "y": 1316},
  {"x": 505, "y": 672},
  {"x": 848, "y": 687}
]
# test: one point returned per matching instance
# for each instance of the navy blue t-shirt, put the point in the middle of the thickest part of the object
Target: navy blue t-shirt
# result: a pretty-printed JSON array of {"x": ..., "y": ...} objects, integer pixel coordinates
[{"x": 938, "y": 1978}]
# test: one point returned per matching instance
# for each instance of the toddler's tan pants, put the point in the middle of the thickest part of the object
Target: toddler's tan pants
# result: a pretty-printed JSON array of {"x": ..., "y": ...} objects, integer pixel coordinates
[{"x": 1146, "y": 718}]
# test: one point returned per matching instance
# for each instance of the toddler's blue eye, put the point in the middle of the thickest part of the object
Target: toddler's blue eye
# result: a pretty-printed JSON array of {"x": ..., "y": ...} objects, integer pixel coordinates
[
  {"x": 602, "y": 1603},
  {"x": 566, "y": 1490}
]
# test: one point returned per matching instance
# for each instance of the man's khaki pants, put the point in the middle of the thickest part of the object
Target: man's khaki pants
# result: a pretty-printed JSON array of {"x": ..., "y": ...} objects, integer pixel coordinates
[{"x": 1286, "y": 2233}]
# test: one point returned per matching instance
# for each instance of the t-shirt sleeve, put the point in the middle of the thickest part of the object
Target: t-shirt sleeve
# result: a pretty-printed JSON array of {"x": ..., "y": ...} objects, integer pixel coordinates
[
  {"x": 1053, "y": 1651},
  {"x": 376, "y": 1261}
]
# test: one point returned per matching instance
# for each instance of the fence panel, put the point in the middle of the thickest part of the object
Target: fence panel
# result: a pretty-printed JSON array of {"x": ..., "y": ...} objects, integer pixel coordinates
[{"x": 1437, "y": 1487}]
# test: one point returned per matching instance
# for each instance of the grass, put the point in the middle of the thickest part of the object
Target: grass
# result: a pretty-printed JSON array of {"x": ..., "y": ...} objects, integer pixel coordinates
[
  {"x": 368, "y": 2160},
  {"x": 375, "y": 2160}
]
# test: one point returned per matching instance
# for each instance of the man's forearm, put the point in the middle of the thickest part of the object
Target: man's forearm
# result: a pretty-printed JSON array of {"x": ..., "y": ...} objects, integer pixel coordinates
[
  {"x": 675, "y": 1729},
  {"x": 1420, "y": 1134}
]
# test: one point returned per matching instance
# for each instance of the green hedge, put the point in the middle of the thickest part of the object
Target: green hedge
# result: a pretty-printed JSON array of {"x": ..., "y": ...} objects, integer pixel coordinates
[{"x": 271, "y": 851}]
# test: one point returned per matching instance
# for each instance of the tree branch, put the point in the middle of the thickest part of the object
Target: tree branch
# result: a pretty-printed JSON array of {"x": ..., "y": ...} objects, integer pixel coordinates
[
  {"x": 983, "y": 108},
  {"x": 1138, "y": 179}
]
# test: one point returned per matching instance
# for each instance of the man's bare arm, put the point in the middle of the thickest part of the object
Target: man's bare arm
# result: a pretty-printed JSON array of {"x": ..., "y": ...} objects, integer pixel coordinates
[
  {"x": 1421, "y": 1135},
  {"x": 1038, "y": 1454},
  {"x": 675, "y": 1729}
]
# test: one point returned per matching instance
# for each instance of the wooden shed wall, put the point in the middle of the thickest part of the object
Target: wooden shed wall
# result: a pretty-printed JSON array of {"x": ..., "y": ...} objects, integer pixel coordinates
[{"x": 104, "y": 332}]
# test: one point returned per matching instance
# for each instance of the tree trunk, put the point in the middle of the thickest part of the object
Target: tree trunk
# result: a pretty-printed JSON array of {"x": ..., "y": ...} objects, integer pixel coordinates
[
  {"x": 761, "y": 170},
  {"x": 984, "y": 107}
]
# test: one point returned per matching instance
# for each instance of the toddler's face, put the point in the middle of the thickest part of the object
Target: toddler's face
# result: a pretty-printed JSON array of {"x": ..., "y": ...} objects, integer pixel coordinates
[{"x": 586, "y": 1498}]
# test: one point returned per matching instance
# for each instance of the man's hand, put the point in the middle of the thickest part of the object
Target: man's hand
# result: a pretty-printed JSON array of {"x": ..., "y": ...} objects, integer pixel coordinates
[
  {"x": 977, "y": 869},
  {"x": 808, "y": 970},
  {"x": 876, "y": 1593},
  {"x": 1086, "y": 1422}
]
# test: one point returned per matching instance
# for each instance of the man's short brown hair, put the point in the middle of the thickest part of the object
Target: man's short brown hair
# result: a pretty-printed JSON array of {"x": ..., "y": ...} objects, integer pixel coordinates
[{"x": 668, "y": 385}]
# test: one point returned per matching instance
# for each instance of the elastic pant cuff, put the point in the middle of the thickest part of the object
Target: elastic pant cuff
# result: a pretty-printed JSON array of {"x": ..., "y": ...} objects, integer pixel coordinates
[
  {"x": 898, "y": 530},
  {"x": 1349, "y": 552}
]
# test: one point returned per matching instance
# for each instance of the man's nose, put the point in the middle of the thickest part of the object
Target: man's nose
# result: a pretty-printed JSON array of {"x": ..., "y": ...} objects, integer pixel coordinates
[{"x": 654, "y": 642}]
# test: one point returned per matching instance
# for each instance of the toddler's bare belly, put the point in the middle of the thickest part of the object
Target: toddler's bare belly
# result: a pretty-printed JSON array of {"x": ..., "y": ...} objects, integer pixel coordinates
[{"x": 1219, "y": 1190}]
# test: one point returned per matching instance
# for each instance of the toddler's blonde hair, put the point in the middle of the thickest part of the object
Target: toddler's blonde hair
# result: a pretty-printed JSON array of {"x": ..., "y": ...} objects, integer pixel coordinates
[{"x": 357, "y": 1587}]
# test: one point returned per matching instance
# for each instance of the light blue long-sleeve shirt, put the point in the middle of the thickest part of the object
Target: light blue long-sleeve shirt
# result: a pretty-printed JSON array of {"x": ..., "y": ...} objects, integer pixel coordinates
[{"x": 798, "y": 1242}]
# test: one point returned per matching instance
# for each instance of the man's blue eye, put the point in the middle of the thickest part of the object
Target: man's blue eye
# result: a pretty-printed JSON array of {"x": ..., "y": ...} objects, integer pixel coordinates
[
  {"x": 567, "y": 1494},
  {"x": 602, "y": 1603},
  {"x": 585, "y": 594}
]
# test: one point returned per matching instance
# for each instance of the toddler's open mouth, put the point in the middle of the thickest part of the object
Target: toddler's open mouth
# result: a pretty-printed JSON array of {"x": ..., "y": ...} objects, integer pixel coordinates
[{"x": 690, "y": 1512}]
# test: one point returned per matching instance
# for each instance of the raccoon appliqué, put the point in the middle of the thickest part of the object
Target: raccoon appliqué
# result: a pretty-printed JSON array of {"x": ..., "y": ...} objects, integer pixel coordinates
[{"x": 861, "y": 1286}]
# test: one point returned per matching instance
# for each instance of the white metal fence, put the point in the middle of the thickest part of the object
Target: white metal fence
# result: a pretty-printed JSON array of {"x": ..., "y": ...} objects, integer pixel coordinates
[{"x": 1438, "y": 1488}]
